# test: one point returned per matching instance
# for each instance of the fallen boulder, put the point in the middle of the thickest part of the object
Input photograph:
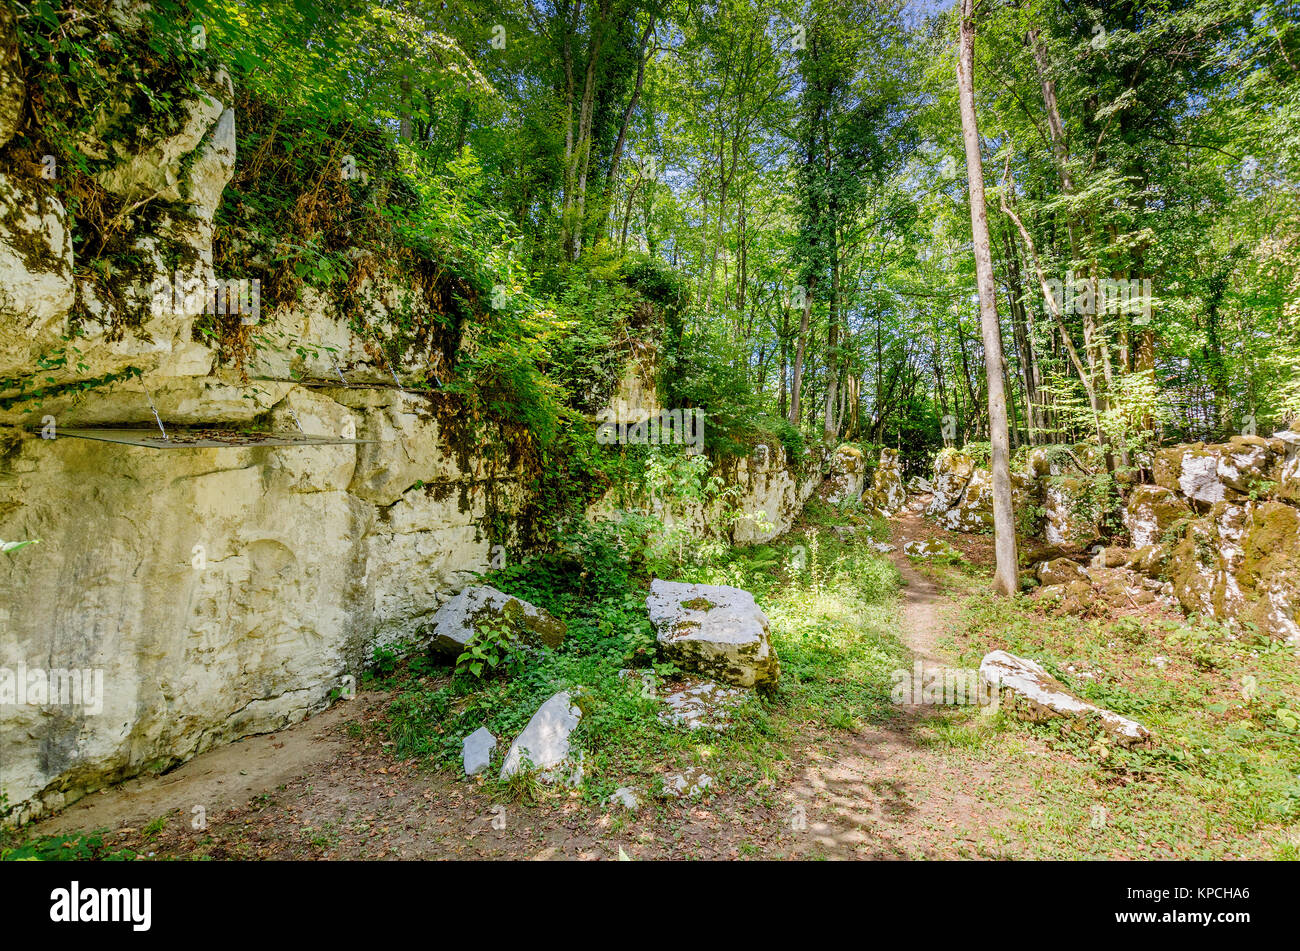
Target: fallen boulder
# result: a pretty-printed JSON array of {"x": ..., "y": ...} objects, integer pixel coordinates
[
  {"x": 476, "y": 751},
  {"x": 457, "y": 621},
  {"x": 544, "y": 744},
  {"x": 1028, "y": 692},
  {"x": 715, "y": 629}
]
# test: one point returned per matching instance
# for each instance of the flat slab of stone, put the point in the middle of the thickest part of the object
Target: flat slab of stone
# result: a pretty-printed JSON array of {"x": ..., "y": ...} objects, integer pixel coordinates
[
  {"x": 626, "y": 797},
  {"x": 544, "y": 743},
  {"x": 706, "y": 705},
  {"x": 457, "y": 621},
  {"x": 1029, "y": 692},
  {"x": 715, "y": 629},
  {"x": 930, "y": 549},
  {"x": 476, "y": 751},
  {"x": 690, "y": 783}
]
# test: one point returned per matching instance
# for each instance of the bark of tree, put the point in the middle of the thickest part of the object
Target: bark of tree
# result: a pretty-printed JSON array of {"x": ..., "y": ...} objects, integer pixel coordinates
[{"x": 1005, "y": 580}]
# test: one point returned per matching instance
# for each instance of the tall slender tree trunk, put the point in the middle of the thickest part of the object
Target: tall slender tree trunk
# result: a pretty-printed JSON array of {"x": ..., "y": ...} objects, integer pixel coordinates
[
  {"x": 801, "y": 350},
  {"x": 1004, "y": 529}
]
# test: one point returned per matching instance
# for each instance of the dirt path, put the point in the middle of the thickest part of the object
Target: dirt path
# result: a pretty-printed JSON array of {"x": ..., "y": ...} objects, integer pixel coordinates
[{"x": 883, "y": 792}]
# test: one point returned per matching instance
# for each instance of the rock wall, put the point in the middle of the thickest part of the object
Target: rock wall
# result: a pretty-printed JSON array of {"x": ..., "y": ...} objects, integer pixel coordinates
[
  {"x": 213, "y": 592},
  {"x": 1222, "y": 527},
  {"x": 1219, "y": 530}
]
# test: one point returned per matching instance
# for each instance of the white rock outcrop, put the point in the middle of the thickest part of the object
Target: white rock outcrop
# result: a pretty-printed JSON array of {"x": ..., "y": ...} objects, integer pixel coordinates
[
  {"x": 715, "y": 629},
  {"x": 1027, "y": 691}
]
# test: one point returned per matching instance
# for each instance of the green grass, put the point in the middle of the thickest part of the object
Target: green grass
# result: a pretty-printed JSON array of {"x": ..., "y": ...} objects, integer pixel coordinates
[{"x": 1223, "y": 776}]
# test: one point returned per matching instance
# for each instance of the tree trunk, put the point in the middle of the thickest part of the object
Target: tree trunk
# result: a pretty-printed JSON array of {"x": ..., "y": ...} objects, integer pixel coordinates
[{"x": 1005, "y": 580}]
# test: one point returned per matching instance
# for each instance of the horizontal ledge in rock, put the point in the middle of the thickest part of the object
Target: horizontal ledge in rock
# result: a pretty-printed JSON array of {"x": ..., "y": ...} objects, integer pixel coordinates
[
  {"x": 204, "y": 438},
  {"x": 328, "y": 384}
]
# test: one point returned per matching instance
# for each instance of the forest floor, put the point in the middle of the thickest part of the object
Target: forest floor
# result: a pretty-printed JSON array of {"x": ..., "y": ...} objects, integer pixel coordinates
[{"x": 821, "y": 772}]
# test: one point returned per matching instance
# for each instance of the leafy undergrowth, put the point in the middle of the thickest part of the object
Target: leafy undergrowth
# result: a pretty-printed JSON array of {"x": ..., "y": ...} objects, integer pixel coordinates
[
  {"x": 1223, "y": 776},
  {"x": 830, "y": 603},
  {"x": 76, "y": 847}
]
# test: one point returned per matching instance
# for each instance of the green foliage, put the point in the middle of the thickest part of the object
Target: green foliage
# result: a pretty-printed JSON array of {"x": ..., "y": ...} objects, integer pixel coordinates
[
  {"x": 74, "y": 847},
  {"x": 494, "y": 644}
]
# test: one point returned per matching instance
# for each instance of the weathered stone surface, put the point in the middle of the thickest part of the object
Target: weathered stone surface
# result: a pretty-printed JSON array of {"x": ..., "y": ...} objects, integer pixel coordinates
[
  {"x": 1240, "y": 563},
  {"x": 1288, "y": 464},
  {"x": 919, "y": 485},
  {"x": 1029, "y": 692},
  {"x": 690, "y": 783},
  {"x": 223, "y": 592},
  {"x": 1112, "y": 557},
  {"x": 932, "y": 549},
  {"x": 544, "y": 744},
  {"x": 1060, "y": 571},
  {"x": 706, "y": 705},
  {"x": 715, "y": 629},
  {"x": 476, "y": 751},
  {"x": 1151, "y": 511},
  {"x": 844, "y": 482},
  {"x": 457, "y": 621},
  {"x": 973, "y": 511},
  {"x": 888, "y": 496},
  {"x": 952, "y": 471},
  {"x": 36, "y": 283},
  {"x": 1069, "y": 519}
]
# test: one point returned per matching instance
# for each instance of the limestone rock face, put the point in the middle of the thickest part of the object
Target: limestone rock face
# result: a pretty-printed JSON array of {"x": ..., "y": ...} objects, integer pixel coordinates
[
  {"x": 888, "y": 494},
  {"x": 1066, "y": 506},
  {"x": 952, "y": 471},
  {"x": 36, "y": 283},
  {"x": 1151, "y": 511},
  {"x": 222, "y": 592},
  {"x": 1230, "y": 471},
  {"x": 1241, "y": 562},
  {"x": 1288, "y": 465},
  {"x": 847, "y": 476},
  {"x": 973, "y": 511},
  {"x": 544, "y": 743},
  {"x": 1027, "y": 691},
  {"x": 771, "y": 495},
  {"x": 715, "y": 629},
  {"x": 457, "y": 621}
]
